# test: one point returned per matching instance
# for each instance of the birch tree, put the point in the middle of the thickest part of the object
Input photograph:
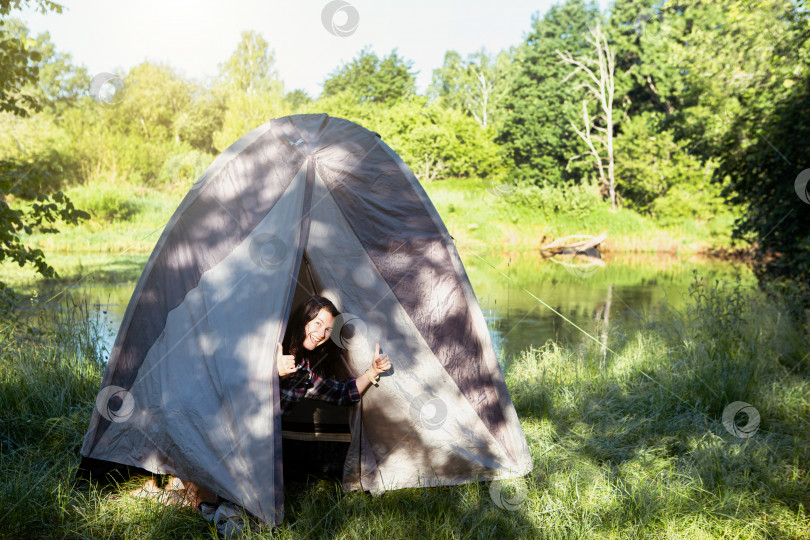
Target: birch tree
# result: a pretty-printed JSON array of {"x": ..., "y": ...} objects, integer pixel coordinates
[
  {"x": 474, "y": 85},
  {"x": 597, "y": 133}
]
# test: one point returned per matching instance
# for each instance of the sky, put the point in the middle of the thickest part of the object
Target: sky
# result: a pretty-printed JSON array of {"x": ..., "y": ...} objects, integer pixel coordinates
[{"x": 196, "y": 36}]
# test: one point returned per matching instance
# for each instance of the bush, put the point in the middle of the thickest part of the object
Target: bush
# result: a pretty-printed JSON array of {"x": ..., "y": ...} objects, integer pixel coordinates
[
  {"x": 655, "y": 175},
  {"x": 105, "y": 202},
  {"x": 439, "y": 142},
  {"x": 683, "y": 203},
  {"x": 182, "y": 169},
  {"x": 576, "y": 200},
  {"x": 38, "y": 145},
  {"x": 435, "y": 142}
]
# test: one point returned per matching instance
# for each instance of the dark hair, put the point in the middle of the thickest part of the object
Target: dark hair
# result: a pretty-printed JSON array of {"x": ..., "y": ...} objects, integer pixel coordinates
[{"x": 325, "y": 359}]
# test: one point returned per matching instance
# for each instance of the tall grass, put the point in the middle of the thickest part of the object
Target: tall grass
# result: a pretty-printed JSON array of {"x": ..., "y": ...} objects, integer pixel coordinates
[
  {"x": 481, "y": 215},
  {"x": 627, "y": 441}
]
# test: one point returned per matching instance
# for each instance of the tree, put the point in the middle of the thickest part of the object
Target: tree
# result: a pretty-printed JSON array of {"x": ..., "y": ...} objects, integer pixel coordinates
[
  {"x": 369, "y": 79},
  {"x": 646, "y": 35},
  {"x": 59, "y": 82},
  {"x": 599, "y": 86},
  {"x": 25, "y": 179},
  {"x": 437, "y": 142},
  {"x": 202, "y": 116},
  {"x": 155, "y": 95},
  {"x": 250, "y": 89},
  {"x": 18, "y": 60},
  {"x": 474, "y": 86},
  {"x": 536, "y": 132},
  {"x": 298, "y": 98},
  {"x": 656, "y": 175},
  {"x": 755, "y": 68},
  {"x": 245, "y": 112},
  {"x": 251, "y": 68}
]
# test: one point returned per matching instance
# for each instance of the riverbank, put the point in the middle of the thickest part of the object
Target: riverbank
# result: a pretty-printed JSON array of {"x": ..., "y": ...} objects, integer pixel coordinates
[
  {"x": 481, "y": 216},
  {"x": 627, "y": 440},
  {"x": 126, "y": 222}
]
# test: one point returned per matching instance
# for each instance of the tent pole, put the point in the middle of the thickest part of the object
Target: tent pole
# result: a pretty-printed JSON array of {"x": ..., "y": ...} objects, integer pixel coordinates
[{"x": 309, "y": 272}]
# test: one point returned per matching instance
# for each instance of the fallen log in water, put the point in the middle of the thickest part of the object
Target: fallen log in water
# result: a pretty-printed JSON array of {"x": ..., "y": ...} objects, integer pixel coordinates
[{"x": 577, "y": 244}]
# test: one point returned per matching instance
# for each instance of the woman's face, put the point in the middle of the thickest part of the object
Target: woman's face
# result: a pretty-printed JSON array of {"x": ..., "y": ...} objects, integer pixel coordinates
[{"x": 318, "y": 330}]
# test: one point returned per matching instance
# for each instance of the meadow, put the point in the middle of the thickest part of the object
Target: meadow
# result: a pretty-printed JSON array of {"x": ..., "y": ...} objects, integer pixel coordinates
[{"x": 627, "y": 442}]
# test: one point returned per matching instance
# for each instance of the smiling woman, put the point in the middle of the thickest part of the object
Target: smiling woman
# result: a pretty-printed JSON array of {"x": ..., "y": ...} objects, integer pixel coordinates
[{"x": 314, "y": 364}]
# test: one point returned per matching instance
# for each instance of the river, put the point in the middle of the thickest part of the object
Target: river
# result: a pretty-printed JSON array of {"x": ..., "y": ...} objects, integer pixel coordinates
[{"x": 527, "y": 300}]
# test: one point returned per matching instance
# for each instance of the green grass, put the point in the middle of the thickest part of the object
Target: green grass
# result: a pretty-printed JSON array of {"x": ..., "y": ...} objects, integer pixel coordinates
[
  {"x": 113, "y": 245},
  {"x": 626, "y": 442},
  {"x": 480, "y": 215},
  {"x": 127, "y": 220}
]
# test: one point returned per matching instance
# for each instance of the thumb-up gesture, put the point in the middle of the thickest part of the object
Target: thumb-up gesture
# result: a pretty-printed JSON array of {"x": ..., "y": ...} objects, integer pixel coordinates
[
  {"x": 285, "y": 362},
  {"x": 381, "y": 362}
]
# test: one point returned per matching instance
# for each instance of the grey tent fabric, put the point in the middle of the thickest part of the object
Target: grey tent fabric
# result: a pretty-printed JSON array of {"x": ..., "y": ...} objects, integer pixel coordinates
[{"x": 191, "y": 387}]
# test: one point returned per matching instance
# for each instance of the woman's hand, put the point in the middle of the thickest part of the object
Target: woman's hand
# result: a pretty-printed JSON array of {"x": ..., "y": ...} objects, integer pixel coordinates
[
  {"x": 285, "y": 362},
  {"x": 380, "y": 363}
]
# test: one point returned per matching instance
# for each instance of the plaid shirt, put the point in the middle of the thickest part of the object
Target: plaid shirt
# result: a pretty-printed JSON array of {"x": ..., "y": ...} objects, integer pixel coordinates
[{"x": 305, "y": 383}]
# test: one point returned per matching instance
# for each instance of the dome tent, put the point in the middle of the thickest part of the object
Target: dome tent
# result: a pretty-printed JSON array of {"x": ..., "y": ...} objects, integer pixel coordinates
[{"x": 304, "y": 202}]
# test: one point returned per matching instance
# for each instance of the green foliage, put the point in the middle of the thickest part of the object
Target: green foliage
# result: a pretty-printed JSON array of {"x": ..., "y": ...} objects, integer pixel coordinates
[
  {"x": 25, "y": 173},
  {"x": 183, "y": 169},
  {"x": 155, "y": 95},
  {"x": 437, "y": 142},
  {"x": 24, "y": 180},
  {"x": 59, "y": 82},
  {"x": 540, "y": 104},
  {"x": 679, "y": 65},
  {"x": 647, "y": 36},
  {"x": 160, "y": 109},
  {"x": 434, "y": 141},
  {"x": 202, "y": 116},
  {"x": 38, "y": 140},
  {"x": 476, "y": 85},
  {"x": 16, "y": 60},
  {"x": 368, "y": 78},
  {"x": 250, "y": 90},
  {"x": 577, "y": 200},
  {"x": 245, "y": 112},
  {"x": 251, "y": 67},
  {"x": 657, "y": 176},
  {"x": 19, "y": 58},
  {"x": 298, "y": 99},
  {"x": 105, "y": 202},
  {"x": 755, "y": 67}
]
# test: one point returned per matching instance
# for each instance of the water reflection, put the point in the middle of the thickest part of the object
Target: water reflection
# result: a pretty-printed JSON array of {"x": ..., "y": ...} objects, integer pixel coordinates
[
  {"x": 512, "y": 290},
  {"x": 526, "y": 300}
]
